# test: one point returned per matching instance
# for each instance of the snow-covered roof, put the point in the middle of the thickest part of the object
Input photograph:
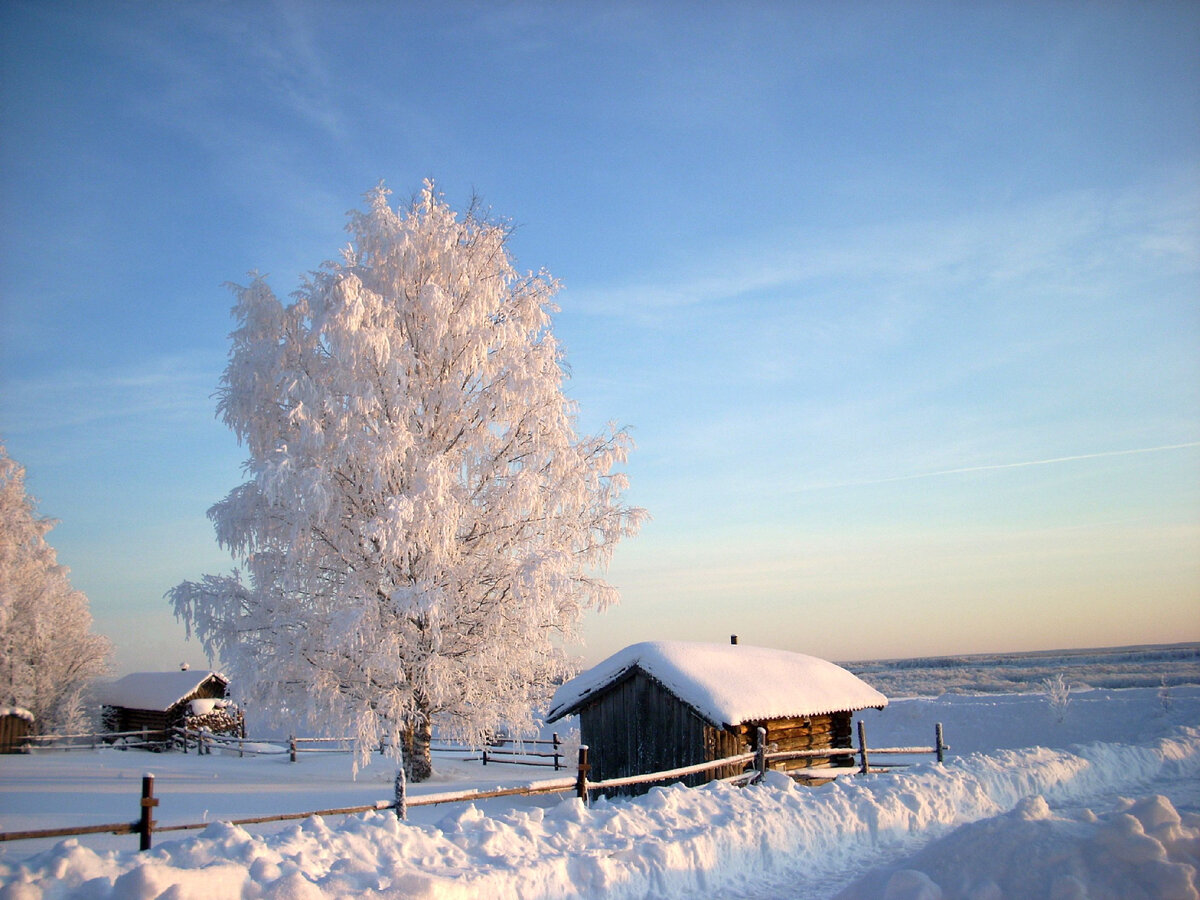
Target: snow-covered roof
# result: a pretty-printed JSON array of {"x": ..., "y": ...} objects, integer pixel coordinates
[
  {"x": 154, "y": 690},
  {"x": 17, "y": 712},
  {"x": 728, "y": 684}
]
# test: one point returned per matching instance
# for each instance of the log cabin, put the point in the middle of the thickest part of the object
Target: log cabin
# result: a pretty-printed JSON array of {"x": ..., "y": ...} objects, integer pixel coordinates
[
  {"x": 159, "y": 701},
  {"x": 667, "y": 704},
  {"x": 16, "y": 724}
]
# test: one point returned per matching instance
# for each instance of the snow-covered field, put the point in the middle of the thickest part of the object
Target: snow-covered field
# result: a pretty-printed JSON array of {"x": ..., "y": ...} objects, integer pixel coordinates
[{"x": 1097, "y": 800}]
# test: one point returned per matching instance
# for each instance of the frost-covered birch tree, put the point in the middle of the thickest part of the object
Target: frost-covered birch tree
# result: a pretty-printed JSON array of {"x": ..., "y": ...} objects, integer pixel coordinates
[
  {"x": 48, "y": 653},
  {"x": 421, "y": 528}
]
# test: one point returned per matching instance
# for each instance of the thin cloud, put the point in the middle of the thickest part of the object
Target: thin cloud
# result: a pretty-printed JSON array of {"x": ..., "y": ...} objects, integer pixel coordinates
[
  {"x": 175, "y": 388},
  {"x": 1072, "y": 243},
  {"x": 965, "y": 470}
]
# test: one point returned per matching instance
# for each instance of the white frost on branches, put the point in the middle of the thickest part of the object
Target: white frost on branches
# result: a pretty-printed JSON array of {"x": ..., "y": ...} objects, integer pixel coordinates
[
  {"x": 1058, "y": 694},
  {"x": 48, "y": 653},
  {"x": 421, "y": 528}
]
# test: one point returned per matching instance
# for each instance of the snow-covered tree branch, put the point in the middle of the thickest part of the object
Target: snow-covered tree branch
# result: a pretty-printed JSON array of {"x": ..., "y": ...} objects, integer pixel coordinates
[
  {"x": 48, "y": 654},
  {"x": 421, "y": 528}
]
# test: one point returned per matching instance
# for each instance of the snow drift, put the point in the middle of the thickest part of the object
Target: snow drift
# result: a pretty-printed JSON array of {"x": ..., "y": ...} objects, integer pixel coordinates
[
  {"x": 673, "y": 842},
  {"x": 1142, "y": 849}
]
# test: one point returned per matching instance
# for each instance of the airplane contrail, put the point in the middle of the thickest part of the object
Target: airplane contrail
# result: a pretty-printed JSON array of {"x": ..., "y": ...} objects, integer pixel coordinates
[{"x": 1016, "y": 465}]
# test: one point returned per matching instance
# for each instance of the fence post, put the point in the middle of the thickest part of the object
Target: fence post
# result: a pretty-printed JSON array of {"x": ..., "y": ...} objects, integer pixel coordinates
[
  {"x": 292, "y": 747},
  {"x": 581, "y": 788},
  {"x": 760, "y": 753},
  {"x": 862, "y": 746},
  {"x": 485, "y": 756},
  {"x": 401, "y": 794},
  {"x": 940, "y": 745},
  {"x": 557, "y": 755},
  {"x": 146, "y": 821}
]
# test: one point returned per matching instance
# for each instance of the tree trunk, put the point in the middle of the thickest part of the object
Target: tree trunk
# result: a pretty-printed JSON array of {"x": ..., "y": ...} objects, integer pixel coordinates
[{"x": 418, "y": 760}]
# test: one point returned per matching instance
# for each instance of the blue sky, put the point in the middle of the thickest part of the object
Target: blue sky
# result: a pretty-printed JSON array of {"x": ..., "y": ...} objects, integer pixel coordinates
[{"x": 901, "y": 301}]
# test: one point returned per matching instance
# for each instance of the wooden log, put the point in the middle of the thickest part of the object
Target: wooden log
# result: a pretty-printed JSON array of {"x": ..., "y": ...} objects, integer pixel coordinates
[
  {"x": 581, "y": 787},
  {"x": 556, "y": 786},
  {"x": 493, "y": 752},
  {"x": 822, "y": 728},
  {"x": 862, "y": 745},
  {"x": 284, "y": 817},
  {"x": 821, "y": 722},
  {"x": 146, "y": 822},
  {"x": 674, "y": 774},
  {"x": 799, "y": 739},
  {"x": 114, "y": 828}
]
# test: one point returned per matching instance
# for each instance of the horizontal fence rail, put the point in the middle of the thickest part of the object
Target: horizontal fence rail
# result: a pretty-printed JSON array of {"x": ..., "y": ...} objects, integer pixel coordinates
[
  {"x": 116, "y": 828},
  {"x": 671, "y": 774},
  {"x": 505, "y": 750},
  {"x": 555, "y": 786},
  {"x": 146, "y": 826},
  {"x": 91, "y": 740}
]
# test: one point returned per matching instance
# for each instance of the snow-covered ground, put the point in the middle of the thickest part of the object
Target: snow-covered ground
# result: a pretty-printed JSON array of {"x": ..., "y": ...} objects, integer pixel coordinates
[{"x": 1097, "y": 800}]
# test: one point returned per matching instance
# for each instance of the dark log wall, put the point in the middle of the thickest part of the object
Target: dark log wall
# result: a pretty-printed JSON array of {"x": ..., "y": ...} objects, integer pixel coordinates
[
  {"x": 13, "y": 731},
  {"x": 637, "y": 726},
  {"x": 151, "y": 720},
  {"x": 807, "y": 733}
]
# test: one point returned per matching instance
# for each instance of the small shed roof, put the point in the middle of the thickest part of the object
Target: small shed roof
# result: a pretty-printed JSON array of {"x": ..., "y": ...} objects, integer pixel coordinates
[
  {"x": 727, "y": 684},
  {"x": 16, "y": 712},
  {"x": 157, "y": 691}
]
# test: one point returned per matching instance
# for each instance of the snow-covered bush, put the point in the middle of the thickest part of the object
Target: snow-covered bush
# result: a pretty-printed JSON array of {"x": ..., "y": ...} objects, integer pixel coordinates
[
  {"x": 1058, "y": 694},
  {"x": 1165, "y": 700}
]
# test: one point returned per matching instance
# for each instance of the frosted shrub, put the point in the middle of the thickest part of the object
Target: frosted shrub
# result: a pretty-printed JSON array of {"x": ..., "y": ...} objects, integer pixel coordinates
[
  {"x": 1058, "y": 694},
  {"x": 1165, "y": 700}
]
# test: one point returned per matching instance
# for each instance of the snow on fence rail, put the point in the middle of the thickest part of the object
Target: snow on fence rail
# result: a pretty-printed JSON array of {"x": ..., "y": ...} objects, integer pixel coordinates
[
  {"x": 667, "y": 775},
  {"x": 90, "y": 741},
  {"x": 146, "y": 826}
]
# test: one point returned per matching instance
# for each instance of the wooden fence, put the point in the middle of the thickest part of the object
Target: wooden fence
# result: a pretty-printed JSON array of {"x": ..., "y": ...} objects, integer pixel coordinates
[
  {"x": 761, "y": 758},
  {"x": 137, "y": 739},
  {"x": 517, "y": 755},
  {"x": 511, "y": 752}
]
